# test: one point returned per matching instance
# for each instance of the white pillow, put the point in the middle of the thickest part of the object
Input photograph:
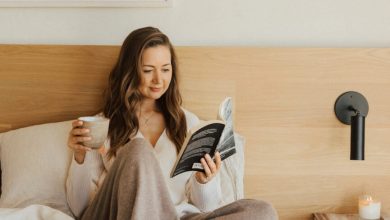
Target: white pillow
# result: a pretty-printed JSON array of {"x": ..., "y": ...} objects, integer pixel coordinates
[
  {"x": 232, "y": 173},
  {"x": 34, "y": 163},
  {"x": 35, "y": 160}
]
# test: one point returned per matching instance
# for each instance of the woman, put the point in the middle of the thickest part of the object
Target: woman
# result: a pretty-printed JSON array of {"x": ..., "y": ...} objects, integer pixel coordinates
[{"x": 128, "y": 178}]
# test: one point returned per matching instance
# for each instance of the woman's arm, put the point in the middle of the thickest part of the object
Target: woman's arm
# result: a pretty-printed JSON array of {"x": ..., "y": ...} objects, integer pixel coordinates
[
  {"x": 82, "y": 181},
  {"x": 206, "y": 197},
  {"x": 85, "y": 169},
  {"x": 205, "y": 191}
]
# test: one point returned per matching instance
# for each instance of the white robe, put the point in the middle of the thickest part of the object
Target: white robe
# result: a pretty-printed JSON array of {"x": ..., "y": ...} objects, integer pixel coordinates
[{"x": 187, "y": 194}]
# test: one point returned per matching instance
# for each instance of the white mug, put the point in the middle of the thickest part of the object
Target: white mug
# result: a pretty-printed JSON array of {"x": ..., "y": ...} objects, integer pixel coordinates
[{"x": 98, "y": 129}]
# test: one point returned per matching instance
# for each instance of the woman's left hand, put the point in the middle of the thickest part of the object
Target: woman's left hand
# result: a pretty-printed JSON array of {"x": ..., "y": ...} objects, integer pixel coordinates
[{"x": 210, "y": 168}]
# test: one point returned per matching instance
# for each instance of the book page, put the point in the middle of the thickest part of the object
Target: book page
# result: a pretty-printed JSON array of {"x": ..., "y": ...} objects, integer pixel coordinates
[{"x": 227, "y": 143}]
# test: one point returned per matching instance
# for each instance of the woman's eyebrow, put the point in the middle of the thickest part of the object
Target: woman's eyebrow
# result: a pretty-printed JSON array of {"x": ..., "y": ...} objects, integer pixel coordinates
[{"x": 146, "y": 65}]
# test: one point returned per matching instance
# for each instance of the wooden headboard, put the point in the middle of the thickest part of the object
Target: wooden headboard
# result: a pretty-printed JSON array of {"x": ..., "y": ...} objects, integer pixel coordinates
[{"x": 297, "y": 152}]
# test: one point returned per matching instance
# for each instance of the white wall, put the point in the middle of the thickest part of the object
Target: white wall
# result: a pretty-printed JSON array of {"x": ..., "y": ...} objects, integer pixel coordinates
[{"x": 319, "y": 23}]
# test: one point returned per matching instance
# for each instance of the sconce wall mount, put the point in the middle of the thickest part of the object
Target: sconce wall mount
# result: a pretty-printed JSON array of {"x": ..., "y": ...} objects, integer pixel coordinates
[
  {"x": 347, "y": 104},
  {"x": 351, "y": 108}
]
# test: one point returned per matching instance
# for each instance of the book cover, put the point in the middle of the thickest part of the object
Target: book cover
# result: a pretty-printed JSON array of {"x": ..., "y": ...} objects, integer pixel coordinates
[{"x": 207, "y": 137}]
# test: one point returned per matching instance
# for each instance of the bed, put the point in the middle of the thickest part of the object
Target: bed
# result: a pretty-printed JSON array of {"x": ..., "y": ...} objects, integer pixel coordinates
[
  {"x": 296, "y": 151},
  {"x": 44, "y": 88}
]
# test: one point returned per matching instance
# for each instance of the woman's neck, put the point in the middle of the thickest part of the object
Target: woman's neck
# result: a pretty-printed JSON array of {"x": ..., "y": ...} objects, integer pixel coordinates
[{"x": 148, "y": 105}]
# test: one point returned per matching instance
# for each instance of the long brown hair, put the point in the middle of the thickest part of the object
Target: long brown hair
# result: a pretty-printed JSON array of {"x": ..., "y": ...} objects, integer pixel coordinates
[{"x": 122, "y": 96}]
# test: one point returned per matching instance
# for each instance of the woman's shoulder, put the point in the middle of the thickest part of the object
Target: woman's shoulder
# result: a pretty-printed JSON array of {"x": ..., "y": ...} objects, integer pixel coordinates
[{"x": 191, "y": 119}]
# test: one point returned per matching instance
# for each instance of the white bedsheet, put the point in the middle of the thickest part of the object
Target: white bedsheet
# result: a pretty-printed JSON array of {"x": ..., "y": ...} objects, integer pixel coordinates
[{"x": 33, "y": 212}]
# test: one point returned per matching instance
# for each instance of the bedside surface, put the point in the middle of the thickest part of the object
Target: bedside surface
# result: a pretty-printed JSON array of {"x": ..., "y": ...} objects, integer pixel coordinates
[{"x": 333, "y": 216}]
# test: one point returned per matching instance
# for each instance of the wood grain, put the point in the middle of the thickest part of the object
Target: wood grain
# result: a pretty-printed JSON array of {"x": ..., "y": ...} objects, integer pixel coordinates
[
  {"x": 297, "y": 152},
  {"x": 42, "y": 84}
]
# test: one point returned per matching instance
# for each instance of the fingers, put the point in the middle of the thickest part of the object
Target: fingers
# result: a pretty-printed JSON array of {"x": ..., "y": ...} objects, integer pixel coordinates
[
  {"x": 218, "y": 160},
  {"x": 80, "y": 131},
  {"x": 80, "y": 139},
  {"x": 214, "y": 166},
  {"x": 77, "y": 123},
  {"x": 75, "y": 143},
  {"x": 210, "y": 167},
  {"x": 80, "y": 148},
  {"x": 77, "y": 136},
  {"x": 206, "y": 168}
]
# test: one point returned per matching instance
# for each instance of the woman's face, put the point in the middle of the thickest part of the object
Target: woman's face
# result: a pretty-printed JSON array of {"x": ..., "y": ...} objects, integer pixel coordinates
[{"x": 156, "y": 72}]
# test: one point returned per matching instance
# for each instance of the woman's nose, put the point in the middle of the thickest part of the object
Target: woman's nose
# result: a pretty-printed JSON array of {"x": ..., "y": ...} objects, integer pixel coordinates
[{"x": 157, "y": 77}]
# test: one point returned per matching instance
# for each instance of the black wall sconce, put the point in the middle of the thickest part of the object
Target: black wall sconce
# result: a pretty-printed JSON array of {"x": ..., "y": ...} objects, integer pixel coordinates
[{"x": 351, "y": 108}]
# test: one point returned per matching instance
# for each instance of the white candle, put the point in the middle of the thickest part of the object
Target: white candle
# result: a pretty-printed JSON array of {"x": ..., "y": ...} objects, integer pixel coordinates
[{"x": 368, "y": 208}]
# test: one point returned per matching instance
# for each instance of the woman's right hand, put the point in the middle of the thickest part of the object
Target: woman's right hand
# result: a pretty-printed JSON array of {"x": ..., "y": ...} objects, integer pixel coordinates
[{"x": 76, "y": 137}]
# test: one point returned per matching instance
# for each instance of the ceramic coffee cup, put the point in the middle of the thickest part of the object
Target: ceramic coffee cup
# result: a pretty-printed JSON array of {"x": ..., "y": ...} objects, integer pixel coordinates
[{"x": 98, "y": 129}]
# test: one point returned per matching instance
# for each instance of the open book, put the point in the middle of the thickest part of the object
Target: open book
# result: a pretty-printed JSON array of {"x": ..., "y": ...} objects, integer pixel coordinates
[{"x": 207, "y": 137}]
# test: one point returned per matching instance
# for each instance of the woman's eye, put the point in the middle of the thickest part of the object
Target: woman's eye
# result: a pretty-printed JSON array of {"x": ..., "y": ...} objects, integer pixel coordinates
[
  {"x": 147, "y": 71},
  {"x": 166, "y": 70}
]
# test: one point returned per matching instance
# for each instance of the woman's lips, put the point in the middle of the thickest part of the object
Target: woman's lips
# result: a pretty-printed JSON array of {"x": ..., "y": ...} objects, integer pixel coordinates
[{"x": 155, "y": 89}]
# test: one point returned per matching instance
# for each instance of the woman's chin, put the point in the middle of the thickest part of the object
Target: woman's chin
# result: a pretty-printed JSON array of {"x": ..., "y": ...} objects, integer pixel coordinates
[{"x": 154, "y": 96}]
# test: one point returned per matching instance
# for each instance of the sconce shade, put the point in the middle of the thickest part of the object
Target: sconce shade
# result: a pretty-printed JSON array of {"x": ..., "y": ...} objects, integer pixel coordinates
[
  {"x": 357, "y": 137},
  {"x": 351, "y": 108}
]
